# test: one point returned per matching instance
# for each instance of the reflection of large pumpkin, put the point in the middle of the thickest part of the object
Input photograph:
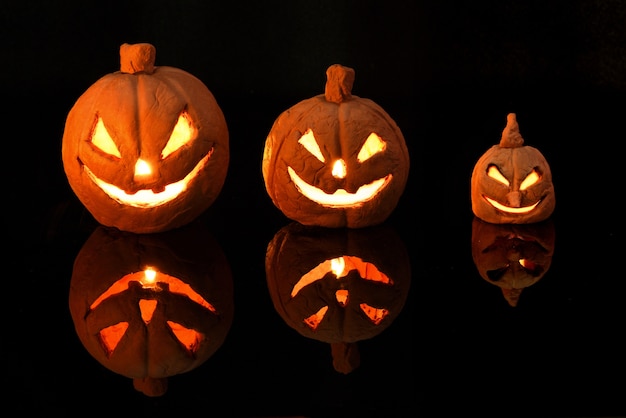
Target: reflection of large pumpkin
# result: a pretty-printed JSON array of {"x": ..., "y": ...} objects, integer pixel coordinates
[
  {"x": 151, "y": 306},
  {"x": 145, "y": 149},
  {"x": 512, "y": 182},
  {"x": 511, "y": 256},
  {"x": 338, "y": 286},
  {"x": 335, "y": 160}
]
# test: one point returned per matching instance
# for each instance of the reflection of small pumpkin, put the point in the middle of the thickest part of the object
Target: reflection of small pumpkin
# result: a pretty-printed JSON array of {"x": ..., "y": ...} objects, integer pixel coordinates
[
  {"x": 151, "y": 306},
  {"x": 512, "y": 257},
  {"x": 512, "y": 182},
  {"x": 145, "y": 149},
  {"x": 338, "y": 286},
  {"x": 335, "y": 160}
]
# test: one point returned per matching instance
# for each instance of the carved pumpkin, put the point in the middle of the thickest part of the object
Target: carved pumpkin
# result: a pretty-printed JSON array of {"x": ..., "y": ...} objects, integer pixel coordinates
[
  {"x": 335, "y": 160},
  {"x": 146, "y": 148},
  {"x": 338, "y": 286},
  {"x": 512, "y": 182},
  {"x": 151, "y": 306},
  {"x": 512, "y": 257}
]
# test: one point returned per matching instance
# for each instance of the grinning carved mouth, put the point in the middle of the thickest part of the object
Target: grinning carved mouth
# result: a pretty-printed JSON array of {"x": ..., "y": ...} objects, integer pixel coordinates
[
  {"x": 509, "y": 209},
  {"x": 147, "y": 198},
  {"x": 340, "y": 198}
]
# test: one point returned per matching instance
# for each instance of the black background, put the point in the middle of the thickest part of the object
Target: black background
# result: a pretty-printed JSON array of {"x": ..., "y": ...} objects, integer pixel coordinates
[{"x": 448, "y": 73}]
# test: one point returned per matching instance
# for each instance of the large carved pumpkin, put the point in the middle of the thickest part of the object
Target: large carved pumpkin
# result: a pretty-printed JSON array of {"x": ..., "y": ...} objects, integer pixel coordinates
[
  {"x": 512, "y": 257},
  {"x": 151, "y": 306},
  {"x": 512, "y": 182},
  {"x": 146, "y": 148},
  {"x": 338, "y": 286},
  {"x": 335, "y": 160}
]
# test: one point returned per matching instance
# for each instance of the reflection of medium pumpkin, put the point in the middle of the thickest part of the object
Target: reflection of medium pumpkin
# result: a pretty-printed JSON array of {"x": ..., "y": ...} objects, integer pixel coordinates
[
  {"x": 151, "y": 306},
  {"x": 511, "y": 256},
  {"x": 512, "y": 182},
  {"x": 335, "y": 160},
  {"x": 338, "y": 286},
  {"x": 145, "y": 149}
]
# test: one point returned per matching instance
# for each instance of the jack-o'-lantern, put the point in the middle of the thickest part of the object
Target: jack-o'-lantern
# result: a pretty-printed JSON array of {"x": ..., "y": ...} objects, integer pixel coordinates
[
  {"x": 511, "y": 256},
  {"x": 512, "y": 182},
  {"x": 338, "y": 285},
  {"x": 146, "y": 148},
  {"x": 335, "y": 160},
  {"x": 151, "y": 306}
]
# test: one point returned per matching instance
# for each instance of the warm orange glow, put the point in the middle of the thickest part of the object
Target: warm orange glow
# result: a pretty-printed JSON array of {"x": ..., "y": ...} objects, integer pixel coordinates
[
  {"x": 342, "y": 296},
  {"x": 310, "y": 143},
  {"x": 189, "y": 338},
  {"x": 376, "y": 315},
  {"x": 175, "y": 286},
  {"x": 530, "y": 179},
  {"x": 340, "y": 198},
  {"x": 340, "y": 267},
  {"x": 142, "y": 168},
  {"x": 314, "y": 320},
  {"x": 510, "y": 209},
  {"x": 183, "y": 132},
  {"x": 372, "y": 146},
  {"x": 111, "y": 336},
  {"x": 149, "y": 278},
  {"x": 146, "y": 198},
  {"x": 495, "y": 174},
  {"x": 147, "y": 307},
  {"x": 102, "y": 140},
  {"x": 339, "y": 169}
]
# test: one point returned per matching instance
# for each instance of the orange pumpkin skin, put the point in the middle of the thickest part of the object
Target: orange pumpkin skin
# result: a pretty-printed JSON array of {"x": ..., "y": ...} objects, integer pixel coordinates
[
  {"x": 300, "y": 281},
  {"x": 512, "y": 256},
  {"x": 139, "y": 107},
  {"x": 495, "y": 201},
  {"x": 341, "y": 124},
  {"x": 193, "y": 289}
]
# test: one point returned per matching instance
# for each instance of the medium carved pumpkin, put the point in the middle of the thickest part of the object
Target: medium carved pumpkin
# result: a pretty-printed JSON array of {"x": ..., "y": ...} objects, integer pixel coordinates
[
  {"x": 146, "y": 148},
  {"x": 335, "y": 160},
  {"x": 512, "y": 182},
  {"x": 338, "y": 286},
  {"x": 151, "y": 306},
  {"x": 512, "y": 257}
]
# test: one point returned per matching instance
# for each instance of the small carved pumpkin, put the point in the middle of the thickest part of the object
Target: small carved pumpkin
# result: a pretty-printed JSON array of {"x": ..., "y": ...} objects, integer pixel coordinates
[
  {"x": 335, "y": 160},
  {"x": 512, "y": 182},
  {"x": 145, "y": 149},
  {"x": 151, "y": 306},
  {"x": 512, "y": 257},
  {"x": 338, "y": 286}
]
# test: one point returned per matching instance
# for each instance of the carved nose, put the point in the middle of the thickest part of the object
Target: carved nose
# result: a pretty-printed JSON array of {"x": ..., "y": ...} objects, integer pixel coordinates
[
  {"x": 514, "y": 199},
  {"x": 143, "y": 171}
]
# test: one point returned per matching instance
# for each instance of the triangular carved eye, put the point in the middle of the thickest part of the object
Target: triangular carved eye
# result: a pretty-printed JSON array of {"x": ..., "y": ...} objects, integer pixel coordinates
[
  {"x": 309, "y": 142},
  {"x": 183, "y": 132},
  {"x": 495, "y": 174},
  {"x": 530, "y": 179},
  {"x": 102, "y": 140},
  {"x": 372, "y": 146}
]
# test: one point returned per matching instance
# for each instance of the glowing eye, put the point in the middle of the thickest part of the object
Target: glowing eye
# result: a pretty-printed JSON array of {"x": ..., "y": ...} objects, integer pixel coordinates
[
  {"x": 530, "y": 179},
  {"x": 373, "y": 145},
  {"x": 182, "y": 133},
  {"x": 309, "y": 142},
  {"x": 103, "y": 141},
  {"x": 495, "y": 174}
]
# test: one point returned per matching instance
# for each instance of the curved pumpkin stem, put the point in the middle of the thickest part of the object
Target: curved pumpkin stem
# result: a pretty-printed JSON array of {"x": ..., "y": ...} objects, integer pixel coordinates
[
  {"x": 136, "y": 58},
  {"x": 339, "y": 81},
  {"x": 511, "y": 138},
  {"x": 346, "y": 356}
]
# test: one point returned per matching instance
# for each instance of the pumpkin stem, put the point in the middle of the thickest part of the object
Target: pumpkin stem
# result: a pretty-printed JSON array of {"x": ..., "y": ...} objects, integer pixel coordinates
[
  {"x": 339, "y": 80},
  {"x": 511, "y": 138},
  {"x": 346, "y": 356},
  {"x": 151, "y": 386},
  {"x": 136, "y": 58}
]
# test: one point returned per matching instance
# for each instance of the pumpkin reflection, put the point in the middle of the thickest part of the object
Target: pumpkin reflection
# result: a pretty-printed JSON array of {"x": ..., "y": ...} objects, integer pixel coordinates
[
  {"x": 511, "y": 256},
  {"x": 151, "y": 306},
  {"x": 338, "y": 286}
]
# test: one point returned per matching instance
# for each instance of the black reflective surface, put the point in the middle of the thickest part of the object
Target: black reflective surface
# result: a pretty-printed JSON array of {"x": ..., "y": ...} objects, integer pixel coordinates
[{"x": 456, "y": 342}]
